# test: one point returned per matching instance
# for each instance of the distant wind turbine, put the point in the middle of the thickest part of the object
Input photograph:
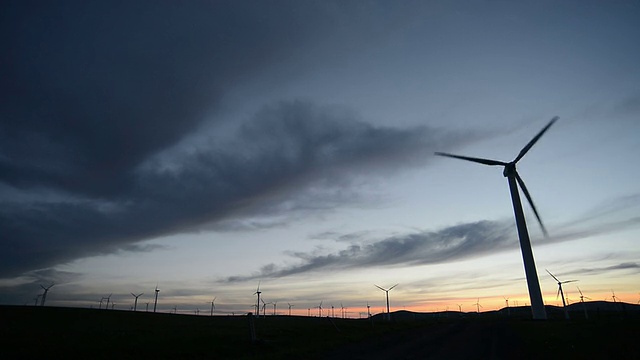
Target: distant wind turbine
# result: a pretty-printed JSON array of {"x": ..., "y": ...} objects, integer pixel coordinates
[
  {"x": 258, "y": 292},
  {"x": 459, "y": 307},
  {"x": 368, "y": 310},
  {"x": 290, "y": 306},
  {"x": 613, "y": 296},
  {"x": 274, "y": 307},
  {"x": 561, "y": 292},
  {"x": 108, "y": 299},
  {"x": 478, "y": 306},
  {"x": 135, "y": 304},
  {"x": 584, "y": 307},
  {"x": 44, "y": 294},
  {"x": 320, "y": 309},
  {"x": 213, "y": 306},
  {"x": 508, "y": 308},
  {"x": 155, "y": 303},
  {"x": 514, "y": 179},
  {"x": 264, "y": 307},
  {"x": 36, "y": 299},
  {"x": 387, "y": 291}
]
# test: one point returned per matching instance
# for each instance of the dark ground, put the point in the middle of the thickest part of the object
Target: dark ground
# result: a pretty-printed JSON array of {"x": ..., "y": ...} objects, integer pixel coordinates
[{"x": 55, "y": 333}]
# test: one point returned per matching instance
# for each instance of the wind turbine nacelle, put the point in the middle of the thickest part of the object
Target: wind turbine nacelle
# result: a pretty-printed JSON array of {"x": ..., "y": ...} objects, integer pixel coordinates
[{"x": 509, "y": 170}]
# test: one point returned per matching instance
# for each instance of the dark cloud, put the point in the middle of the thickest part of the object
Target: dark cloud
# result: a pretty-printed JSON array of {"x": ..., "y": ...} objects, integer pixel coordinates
[
  {"x": 96, "y": 93},
  {"x": 448, "y": 244},
  {"x": 287, "y": 159},
  {"x": 630, "y": 266}
]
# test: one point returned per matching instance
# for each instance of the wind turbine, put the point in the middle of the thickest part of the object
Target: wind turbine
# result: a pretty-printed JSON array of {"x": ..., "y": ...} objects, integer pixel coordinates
[
  {"x": 459, "y": 307},
  {"x": 506, "y": 300},
  {"x": 387, "y": 291},
  {"x": 613, "y": 296},
  {"x": 561, "y": 292},
  {"x": 274, "y": 307},
  {"x": 135, "y": 304},
  {"x": 44, "y": 295},
  {"x": 320, "y": 309},
  {"x": 258, "y": 292},
  {"x": 264, "y": 306},
  {"x": 333, "y": 314},
  {"x": 155, "y": 303},
  {"x": 584, "y": 307},
  {"x": 147, "y": 307},
  {"x": 36, "y": 299},
  {"x": 108, "y": 299},
  {"x": 290, "y": 305},
  {"x": 368, "y": 310},
  {"x": 478, "y": 306},
  {"x": 342, "y": 309},
  {"x": 514, "y": 179},
  {"x": 213, "y": 305}
]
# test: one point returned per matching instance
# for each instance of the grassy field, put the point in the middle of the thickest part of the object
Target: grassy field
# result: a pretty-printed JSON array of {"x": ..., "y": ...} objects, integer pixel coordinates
[{"x": 53, "y": 333}]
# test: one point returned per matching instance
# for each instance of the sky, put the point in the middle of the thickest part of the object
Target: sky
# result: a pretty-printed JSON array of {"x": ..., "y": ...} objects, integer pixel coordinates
[{"x": 208, "y": 147}]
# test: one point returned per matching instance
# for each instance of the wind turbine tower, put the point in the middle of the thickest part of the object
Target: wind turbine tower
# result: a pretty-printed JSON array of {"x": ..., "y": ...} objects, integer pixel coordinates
[
  {"x": 561, "y": 293},
  {"x": 44, "y": 295},
  {"x": 387, "y": 291},
  {"x": 155, "y": 303},
  {"x": 135, "y": 304},
  {"x": 213, "y": 305},
  {"x": 514, "y": 179}
]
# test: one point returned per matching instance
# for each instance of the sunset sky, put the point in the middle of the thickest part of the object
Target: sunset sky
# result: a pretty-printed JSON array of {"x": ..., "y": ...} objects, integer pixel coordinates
[{"x": 207, "y": 146}]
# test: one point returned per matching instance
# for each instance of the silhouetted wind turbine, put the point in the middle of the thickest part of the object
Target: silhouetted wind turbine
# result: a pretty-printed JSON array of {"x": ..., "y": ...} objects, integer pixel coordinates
[
  {"x": 264, "y": 307},
  {"x": 342, "y": 309},
  {"x": 387, "y": 291},
  {"x": 258, "y": 292},
  {"x": 108, "y": 299},
  {"x": 155, "y": 303},
  {"x": 561, "y": 292},
  {"x": 135, "y": 304},
  {"x": 508, "y": 308},
  {"x": 274, "y": 307},
  {"x": 582, "y": 297},
  {"x": 320, "y": 309},
  {"x": 478, "y": 306},
  {"x": 213, "y": 305},
  {"x": 290, "y": 305},
  {"x": 459, "y": 307},
  {"x": 368, "y": 310},
  {"x": 514, "y": 179},
  {"x": 44, "y": 295},
  {"x": 36, "y": 299},
  {"x": 147, "y": 307},
  {"x": 613, "y": 296}
]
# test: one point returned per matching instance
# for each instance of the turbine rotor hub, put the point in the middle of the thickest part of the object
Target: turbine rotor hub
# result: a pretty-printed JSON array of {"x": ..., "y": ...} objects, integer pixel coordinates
[{"x": 509, "y": 170}]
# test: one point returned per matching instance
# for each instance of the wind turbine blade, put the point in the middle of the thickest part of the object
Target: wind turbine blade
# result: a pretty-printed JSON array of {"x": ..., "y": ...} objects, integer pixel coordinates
[
  {"x": 580, "y": 291},
  {"x": 528, "y": 196},
  {"x": 393, "y": 286},
  {"x": 379, "y": 287},
  {"x": 473, "y": 159},
  {"x": 555, "y": 278},
  {"x": 534, "y": 140},
  {"x": 569, "y": 281}
]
